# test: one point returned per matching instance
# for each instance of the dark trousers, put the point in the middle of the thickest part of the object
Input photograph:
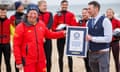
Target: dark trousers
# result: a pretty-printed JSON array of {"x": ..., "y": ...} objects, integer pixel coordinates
[
  {"x": 86, "y": 61},
  {"x": 48, "y": 52},
  {"x": 60, "y": 48},
  {"x": 115, "y": 50},
  {"x": 99, "y": 62},
  {"x": 6, "y": 50},
  {"x": 16, "y": 69}
]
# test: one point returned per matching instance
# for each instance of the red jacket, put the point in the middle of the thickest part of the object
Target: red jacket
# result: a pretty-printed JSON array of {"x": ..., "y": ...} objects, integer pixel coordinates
[
  {"x": 64, "y": 18},
  {"x": 115, "y": 24},
  {"x": 29, "y": 40},
  {"x": 4, "y": 31},
  {"x": 12, "y": 19},
  {"x": 47, "y": 18}
]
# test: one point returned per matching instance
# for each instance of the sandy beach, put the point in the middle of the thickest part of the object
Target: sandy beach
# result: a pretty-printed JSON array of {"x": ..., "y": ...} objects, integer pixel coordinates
[{"x": 78, "y": 63}]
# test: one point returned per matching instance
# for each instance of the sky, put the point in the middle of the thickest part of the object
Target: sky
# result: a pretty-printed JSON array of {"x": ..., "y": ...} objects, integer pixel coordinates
[{"x": 75, "y": 2}]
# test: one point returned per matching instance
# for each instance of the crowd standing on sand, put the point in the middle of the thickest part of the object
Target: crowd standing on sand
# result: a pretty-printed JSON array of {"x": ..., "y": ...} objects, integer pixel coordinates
[{"x": 34, "y": 30}]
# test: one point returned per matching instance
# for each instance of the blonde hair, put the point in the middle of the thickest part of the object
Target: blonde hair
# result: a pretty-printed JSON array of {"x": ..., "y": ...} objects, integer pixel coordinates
[
  {"x": 41, "y": 1},
  {"x": 111, "y": 10}
]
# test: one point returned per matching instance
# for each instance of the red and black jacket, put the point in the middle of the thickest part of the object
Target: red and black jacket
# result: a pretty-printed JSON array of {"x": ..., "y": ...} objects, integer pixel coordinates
[
  {"x": 82, "y": 23},
  {"x": 47, "y": 18},
  {"x": 64, "y": 17},
  {"x": 115, "y": 24},
  {"x": 4, "y": 31},
  {"x": 17, "y": 18}
]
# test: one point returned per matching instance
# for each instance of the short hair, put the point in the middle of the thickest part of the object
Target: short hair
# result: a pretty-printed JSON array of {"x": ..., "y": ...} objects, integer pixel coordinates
[
  {"x": 111, "y": 10},
  {"x": 95, "y": 4},
  {"x": 3, "y": 7},
  {"x": 85, "y": 9},
  {"x": 64, "y": 1},
  {"x": 41, "y": 1}
]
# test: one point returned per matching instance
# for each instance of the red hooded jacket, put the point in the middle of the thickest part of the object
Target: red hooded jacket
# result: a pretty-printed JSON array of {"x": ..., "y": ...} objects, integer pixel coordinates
[
  {"x": 64, "y": 18},
  {"x": 29, "y": 40},
  {"x": 4, "y": 31}
]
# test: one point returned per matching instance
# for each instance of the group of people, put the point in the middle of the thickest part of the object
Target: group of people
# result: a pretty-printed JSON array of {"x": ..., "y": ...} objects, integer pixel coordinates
[{"x": 32, "y": 33}]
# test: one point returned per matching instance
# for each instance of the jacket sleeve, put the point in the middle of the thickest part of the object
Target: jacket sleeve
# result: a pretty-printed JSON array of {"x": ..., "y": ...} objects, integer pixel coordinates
[
  {"x": 50, "y": 22},
  {"x": 49, "y": 34},
  {"x": 12, "y": 25},
  {"x": 54, "y": 26},
  {"x": 73, "y": 20},
  {"x": 17, "y": 43},
  {"x": 118, "y": 24},
  {"x": 12, "y": 29}
]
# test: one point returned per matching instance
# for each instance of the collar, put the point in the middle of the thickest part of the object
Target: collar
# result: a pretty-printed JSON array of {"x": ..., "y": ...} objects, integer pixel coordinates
[
  {"x": 97, "y": 17},
  {"x": 3, "y": 19},
  {"x": 19, "y": 14},
  {"x": 41, "y": 12}
]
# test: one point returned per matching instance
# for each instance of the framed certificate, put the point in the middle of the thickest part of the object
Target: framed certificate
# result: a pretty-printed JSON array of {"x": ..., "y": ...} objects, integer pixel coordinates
[{"x": 76, "y": 44}]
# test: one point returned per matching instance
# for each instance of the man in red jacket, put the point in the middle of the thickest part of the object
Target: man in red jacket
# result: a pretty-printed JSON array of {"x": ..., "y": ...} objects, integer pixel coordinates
[
  {"x": 29, "y": 42},
  {"x": 115, "y": 43},
  {"x": 47, "y": 18},
  {"x": 5, "y": 47},
  {"x": 63, "y": 17}
]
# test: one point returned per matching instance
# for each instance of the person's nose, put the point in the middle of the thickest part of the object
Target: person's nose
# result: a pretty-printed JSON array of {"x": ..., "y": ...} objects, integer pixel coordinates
[{"x": 33, "y": 15}]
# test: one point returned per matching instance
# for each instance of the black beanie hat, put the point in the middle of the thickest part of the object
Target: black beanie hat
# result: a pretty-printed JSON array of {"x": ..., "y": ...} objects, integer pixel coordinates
[
  {"x": 18, "y": 4},
  {"x": 32, "y": 7}
]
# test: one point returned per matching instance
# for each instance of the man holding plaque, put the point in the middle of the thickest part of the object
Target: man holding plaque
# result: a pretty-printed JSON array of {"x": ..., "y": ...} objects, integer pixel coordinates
[
  {"x": 99, "y": 38},
  {"x": 63, "y": 17}
]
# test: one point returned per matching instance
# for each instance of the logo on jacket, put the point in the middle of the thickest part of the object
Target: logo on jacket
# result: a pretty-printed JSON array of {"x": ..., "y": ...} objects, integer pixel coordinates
[{"x": 29, "y": 30}]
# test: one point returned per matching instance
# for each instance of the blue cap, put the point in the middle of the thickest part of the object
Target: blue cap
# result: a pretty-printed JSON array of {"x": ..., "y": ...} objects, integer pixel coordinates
[
  {"x": 32, "y": 7},
  {"x": 18, "y": 4}
]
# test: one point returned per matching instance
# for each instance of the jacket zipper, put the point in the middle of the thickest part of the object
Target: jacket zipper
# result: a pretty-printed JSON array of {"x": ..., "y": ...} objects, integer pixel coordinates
[
  {"x": 36, "y": 43},
  {"x": 26, "y": 49},
  {"x": 1, "y": 32},
  {"x": 64, "y": 18}
]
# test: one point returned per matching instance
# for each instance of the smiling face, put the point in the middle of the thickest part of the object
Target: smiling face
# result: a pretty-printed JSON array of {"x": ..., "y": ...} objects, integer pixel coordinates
[
  {"x": 93, "y": 11},
  {"x": 93, "y": 8},
  {"x": 64, "y": 6},
  {"x": 3, "y": 13},
  {"x": 85, "y": 14},
  {"x": 110, "y": 13},
  {"x": 32, "y": 16}
]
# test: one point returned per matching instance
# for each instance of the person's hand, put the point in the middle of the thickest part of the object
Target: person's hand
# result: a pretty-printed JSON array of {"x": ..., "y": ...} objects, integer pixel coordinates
[
  {"x": 64, "y": 32},
  {"x": 88, "y": 37},
  {"x": 19, "y": 66}
]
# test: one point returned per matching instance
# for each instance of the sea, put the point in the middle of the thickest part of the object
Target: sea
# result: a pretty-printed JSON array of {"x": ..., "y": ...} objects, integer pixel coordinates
[{"x": 76, "y": 9}]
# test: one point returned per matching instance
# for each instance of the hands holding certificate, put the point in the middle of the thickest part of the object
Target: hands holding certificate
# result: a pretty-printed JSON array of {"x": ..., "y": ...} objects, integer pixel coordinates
[
  {"x": 88, "y": 37},
  {"x": 76, "y": 44}
]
